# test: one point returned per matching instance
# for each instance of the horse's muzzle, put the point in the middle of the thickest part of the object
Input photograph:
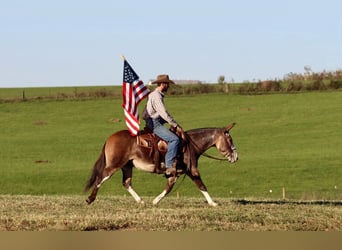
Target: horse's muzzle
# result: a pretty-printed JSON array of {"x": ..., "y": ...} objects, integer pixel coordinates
[{"x": 233, "y": 156}]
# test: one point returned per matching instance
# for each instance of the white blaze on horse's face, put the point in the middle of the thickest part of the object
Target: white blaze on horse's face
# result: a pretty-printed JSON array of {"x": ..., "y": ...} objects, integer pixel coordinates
[
  {"x": 233, "y": 157},
  {"x": 227, "y": 148}
]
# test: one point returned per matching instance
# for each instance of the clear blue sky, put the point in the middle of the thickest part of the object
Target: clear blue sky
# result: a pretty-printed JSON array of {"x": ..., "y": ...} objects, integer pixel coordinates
[{"x": 79, "y": 42}]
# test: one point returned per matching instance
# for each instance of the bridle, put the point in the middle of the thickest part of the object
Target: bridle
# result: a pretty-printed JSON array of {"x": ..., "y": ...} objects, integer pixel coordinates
[{"x": 205, "y": 154}]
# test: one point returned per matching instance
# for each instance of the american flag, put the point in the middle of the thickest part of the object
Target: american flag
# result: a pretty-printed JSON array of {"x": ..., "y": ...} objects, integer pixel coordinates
[{"x": 133, "y": 91}]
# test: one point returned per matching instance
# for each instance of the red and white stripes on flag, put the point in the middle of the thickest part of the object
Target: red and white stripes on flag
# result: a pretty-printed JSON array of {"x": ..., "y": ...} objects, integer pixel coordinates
[{"x": 133, "y": 91}]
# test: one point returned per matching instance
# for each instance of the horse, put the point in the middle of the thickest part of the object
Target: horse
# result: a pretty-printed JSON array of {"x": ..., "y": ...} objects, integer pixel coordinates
[{"x": 121, "y": 151}]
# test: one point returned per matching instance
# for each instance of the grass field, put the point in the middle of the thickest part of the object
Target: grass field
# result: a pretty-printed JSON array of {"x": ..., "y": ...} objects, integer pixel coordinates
[
  {"x": 291, "y": 141},
  {"x": 10, "y": 94},
  {"x": 112, "y": 213}
]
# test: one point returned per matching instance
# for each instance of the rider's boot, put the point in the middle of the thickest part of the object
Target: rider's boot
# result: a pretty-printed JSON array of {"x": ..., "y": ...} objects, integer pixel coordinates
[{"x": 172, "y": 170}]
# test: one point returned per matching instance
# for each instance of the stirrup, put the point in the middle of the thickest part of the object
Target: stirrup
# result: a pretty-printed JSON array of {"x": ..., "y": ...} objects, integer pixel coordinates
[{"x": 171, "y": 171}]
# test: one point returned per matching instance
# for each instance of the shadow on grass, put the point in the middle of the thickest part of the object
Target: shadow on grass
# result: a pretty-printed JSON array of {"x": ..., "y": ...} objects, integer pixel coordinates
[{"x": 287, "y": 202}]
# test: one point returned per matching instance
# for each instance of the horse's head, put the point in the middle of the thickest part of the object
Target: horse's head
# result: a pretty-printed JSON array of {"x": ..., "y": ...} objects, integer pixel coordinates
[{"x": 224, "y": 143}]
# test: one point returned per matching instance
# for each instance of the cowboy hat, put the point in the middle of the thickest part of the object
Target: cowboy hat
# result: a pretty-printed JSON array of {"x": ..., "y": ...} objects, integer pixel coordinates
[{"x": 163, "y": 79}]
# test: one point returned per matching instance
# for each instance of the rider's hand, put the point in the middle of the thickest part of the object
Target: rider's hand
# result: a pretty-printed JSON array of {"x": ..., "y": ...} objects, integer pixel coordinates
[
  {"x": 173, "y": 129},
  {"x": 180, "y": 132},
  {"x": 179, "y": 129}
]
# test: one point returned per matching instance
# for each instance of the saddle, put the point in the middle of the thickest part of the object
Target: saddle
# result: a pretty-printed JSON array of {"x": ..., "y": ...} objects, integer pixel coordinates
[{"x": 156, "y": 147}]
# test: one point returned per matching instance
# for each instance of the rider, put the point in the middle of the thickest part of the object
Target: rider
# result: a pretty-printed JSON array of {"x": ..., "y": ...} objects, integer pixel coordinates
[{"x": 157, "y": 116}]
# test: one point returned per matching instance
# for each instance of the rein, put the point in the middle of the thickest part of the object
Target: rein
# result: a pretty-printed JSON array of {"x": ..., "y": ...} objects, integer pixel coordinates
[
  {"x": 204, "y": 154},
  {"x": 214, "y": 157}
]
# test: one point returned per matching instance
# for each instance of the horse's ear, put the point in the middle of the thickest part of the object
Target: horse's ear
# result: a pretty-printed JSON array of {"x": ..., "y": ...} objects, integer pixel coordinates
[{"x": 229, "y": 127}]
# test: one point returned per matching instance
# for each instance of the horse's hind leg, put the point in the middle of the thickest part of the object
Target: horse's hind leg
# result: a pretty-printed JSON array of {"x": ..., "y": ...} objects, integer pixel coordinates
[
  {"x": 127, "y": 173},
  {"x": 107, "y": 173},
  {"x": 169, "y": 185},
  {"x": 93, "y": 194}
]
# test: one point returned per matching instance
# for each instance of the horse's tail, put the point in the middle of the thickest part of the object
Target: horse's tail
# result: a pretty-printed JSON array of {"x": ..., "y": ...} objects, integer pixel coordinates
[{"x": 97, "y": 169}]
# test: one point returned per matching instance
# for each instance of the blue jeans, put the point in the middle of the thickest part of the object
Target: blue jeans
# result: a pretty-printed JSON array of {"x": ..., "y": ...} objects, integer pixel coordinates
[{"x": 171, "y": 139}]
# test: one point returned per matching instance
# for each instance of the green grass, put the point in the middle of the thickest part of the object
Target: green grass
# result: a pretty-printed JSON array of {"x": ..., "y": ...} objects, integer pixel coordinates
[
  {"x": 53, "y": 92},
  {"x": 55, "y": 213},
  {"x": 283, "y": 140}
]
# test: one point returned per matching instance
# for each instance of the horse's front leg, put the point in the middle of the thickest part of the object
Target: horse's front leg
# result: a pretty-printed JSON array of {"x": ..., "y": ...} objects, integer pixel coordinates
[
  {"x": 127, "y": 173},
  {"x": 169, "y": 185},
  {"x": 196, "y": 177}
]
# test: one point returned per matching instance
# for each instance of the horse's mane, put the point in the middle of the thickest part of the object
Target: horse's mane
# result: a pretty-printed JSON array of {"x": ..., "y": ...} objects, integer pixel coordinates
[{"x": 199, "y": 130}]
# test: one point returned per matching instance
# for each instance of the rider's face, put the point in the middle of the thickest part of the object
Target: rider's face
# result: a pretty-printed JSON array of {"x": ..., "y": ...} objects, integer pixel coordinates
[{"x": 165, "y": 87}]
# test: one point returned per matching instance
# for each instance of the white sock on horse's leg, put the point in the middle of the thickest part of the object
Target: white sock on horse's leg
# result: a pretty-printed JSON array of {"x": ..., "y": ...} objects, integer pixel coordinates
[
  {"x": 135, "y": 195},
  {"x": 159, "y": 198},
  {"x": 103, "y": 180},
  {"x": 209, "y": 200}
]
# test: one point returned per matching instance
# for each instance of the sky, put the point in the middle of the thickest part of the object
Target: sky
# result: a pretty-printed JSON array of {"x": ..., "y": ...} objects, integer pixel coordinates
[{"x": 79, "y": 42}]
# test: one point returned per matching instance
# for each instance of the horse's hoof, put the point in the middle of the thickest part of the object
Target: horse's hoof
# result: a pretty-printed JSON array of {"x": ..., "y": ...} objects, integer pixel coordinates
[
  {"x": 89, "y": 201},
  {"x": 213, "y": 204}
]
